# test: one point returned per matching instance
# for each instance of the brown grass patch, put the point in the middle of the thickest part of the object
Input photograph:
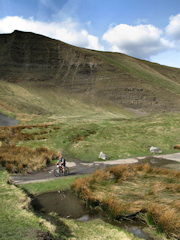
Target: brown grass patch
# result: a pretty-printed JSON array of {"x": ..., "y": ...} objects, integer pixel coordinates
[
  {"x": 82, "y": 187},
  {"x": 157, "y": 187},
  {"x": 124, "y": 191},
  {"x": 100, "y": 175},
  {"x": 122, "y": 172},
  {"x": 166, "y": 218},
  {"x": 19, "y": 158},
  {"x": 115, "y": 207}
]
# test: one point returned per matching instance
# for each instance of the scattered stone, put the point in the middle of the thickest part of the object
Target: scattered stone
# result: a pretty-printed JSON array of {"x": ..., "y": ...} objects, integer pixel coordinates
[
  {"x": 103, "y": 156},
  {"x": 155, "y": 150}
]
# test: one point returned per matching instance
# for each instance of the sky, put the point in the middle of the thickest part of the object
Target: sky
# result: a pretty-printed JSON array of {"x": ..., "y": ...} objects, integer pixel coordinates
[{"x": 144, "y": 29}]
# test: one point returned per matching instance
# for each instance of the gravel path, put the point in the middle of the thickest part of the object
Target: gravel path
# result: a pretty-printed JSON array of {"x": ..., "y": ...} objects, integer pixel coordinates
[{"x": 83, "y": 168}]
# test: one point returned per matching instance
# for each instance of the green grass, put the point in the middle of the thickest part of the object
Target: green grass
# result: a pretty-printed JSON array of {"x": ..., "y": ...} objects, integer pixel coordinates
[
  {"x": 132, "y": 66},
  {"x": 84, "y": 130},
  {"x": 60, "y": 184},
  {"x": 118, "y": 139},
  {"x": 16, "y": 222}
]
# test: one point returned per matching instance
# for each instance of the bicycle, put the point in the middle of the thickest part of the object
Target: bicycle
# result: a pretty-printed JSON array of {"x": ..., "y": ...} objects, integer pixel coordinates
[{"x": 59, "y": 171}]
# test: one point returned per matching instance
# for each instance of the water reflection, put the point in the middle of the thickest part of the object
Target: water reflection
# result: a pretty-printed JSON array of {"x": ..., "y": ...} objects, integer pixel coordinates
[
  {"x": 159, "y": 162},
  {"x": 67, "y": 205}
]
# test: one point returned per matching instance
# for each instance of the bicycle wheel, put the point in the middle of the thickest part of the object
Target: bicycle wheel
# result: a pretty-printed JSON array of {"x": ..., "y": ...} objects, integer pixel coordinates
[
  {"x": 57, "y": 172},
  {"x": 66, "y": 171}
]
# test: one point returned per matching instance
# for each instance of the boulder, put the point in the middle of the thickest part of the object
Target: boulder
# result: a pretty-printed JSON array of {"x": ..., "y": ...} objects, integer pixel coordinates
[
  {"x": 103, "y": 156},
  {"x": 155, "y": 150}
]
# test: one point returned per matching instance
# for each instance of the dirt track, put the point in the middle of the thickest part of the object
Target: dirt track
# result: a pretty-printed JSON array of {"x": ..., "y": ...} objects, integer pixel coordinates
[{"x": 84, "y": 168}]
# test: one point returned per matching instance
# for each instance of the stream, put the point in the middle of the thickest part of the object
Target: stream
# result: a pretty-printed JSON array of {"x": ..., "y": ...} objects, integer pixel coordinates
[
  {"x": 67, "y": 205},
  {"x": 7, "y": 121}
]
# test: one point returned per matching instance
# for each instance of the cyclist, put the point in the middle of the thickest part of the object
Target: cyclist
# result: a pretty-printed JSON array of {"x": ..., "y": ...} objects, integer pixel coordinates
[{"x": 61, "y": 162}]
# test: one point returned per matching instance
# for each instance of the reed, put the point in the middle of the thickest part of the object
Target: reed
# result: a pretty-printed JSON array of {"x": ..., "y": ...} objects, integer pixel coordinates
[
  {"x": 100, "y": 175},
  {"x": 167, "y": 219},
  {"x": 138, "y": 190},
  {"x": 120, "y": 171},
  {"x": 83, "y": 189},
  {"x": 115, "y": 207}
]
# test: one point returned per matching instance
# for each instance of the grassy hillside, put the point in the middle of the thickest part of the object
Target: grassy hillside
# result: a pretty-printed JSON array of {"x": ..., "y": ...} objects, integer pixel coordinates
[
  {"x": 81, "y": 102},
  {"x": 52, "y": 121},
  {"x": 86, "y": 101},
  {"x": 95, "y": 77}
]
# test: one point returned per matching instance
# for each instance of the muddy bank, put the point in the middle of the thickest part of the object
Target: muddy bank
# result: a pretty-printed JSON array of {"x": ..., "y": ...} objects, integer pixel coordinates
[
  {"x": 67, "y": 205},
  {"x": 7, "y": 121}
]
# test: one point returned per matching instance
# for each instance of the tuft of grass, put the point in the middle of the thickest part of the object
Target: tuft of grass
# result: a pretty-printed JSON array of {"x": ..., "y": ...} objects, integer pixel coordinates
[
  {"x": 165, "y": 218},
  {"x": 135, "y": 190},
  {"x": 100, "y": 175},
  {"x": 115, "y": 207}
]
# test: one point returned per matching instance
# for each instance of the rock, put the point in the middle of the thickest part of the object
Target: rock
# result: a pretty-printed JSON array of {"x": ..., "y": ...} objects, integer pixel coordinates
[
  {"x": 155, "y": 150},
  {"x": 103, "y": 156}
]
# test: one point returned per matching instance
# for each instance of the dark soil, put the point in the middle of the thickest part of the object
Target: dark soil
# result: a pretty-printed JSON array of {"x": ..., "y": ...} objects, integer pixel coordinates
[{"x": 44, "y": 236}]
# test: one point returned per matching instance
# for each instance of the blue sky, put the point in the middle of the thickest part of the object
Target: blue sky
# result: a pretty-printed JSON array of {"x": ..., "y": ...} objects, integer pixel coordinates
[{"x": 145, "y": 29}]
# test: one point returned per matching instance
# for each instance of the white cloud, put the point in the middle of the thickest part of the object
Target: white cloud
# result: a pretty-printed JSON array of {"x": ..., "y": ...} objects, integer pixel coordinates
[
  {"x": 67, "y": 31},
  {"x": 173, "y": 29},
  {"x": 141, "y": 41}
]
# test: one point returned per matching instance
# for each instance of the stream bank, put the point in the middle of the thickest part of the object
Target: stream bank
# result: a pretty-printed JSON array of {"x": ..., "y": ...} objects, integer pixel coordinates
[{"x": 67, "y": 205}]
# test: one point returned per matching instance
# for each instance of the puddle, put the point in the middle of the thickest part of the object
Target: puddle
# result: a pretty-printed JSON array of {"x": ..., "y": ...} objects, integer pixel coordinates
[
  {"x": 67, "y": 205},
  {"x": 158, "y": 162},
  {"x": 7, "y": 121}
]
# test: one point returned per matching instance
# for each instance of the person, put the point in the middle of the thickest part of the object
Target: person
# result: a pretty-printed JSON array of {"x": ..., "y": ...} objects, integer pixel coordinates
[{"x": 61, "y": 162}]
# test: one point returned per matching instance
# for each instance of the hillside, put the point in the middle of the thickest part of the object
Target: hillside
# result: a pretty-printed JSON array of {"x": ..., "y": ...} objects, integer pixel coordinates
[{"x": 98, "y": 78}]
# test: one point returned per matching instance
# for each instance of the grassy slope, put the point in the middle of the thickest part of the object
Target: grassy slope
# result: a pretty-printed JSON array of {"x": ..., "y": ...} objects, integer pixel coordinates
[
  {"x": 95, "y": 129},
  {"x": 16, "y": 222},
  {"x": 85, "y": 130}
]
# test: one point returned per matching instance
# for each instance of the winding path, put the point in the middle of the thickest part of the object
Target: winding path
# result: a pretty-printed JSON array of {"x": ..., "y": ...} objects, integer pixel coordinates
[{"x": 84, "y": 168}]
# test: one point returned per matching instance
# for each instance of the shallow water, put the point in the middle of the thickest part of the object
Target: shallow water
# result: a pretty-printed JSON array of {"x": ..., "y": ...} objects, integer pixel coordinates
[
  {"x": 67, "y": 205},
  {"x": 159, "y": 162},
  {"x": 7, "y": 121}
]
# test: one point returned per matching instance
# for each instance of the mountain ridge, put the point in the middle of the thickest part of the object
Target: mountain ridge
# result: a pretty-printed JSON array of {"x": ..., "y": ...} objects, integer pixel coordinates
[{"x": 96, "y": 76}]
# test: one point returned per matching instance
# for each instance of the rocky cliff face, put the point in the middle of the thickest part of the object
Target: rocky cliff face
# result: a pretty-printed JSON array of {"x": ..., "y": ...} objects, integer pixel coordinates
[{"x": 99, "y": 76}]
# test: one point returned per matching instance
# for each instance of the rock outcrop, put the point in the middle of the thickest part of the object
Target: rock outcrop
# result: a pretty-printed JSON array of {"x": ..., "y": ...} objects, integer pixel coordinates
[{"x": 99, "y": 77}]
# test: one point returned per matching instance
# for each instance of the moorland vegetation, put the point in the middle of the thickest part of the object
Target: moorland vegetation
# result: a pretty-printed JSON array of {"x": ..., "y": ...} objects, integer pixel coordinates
[
  {"x": 81, "y": 102},
  {"x": 135, "y": 191}
]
